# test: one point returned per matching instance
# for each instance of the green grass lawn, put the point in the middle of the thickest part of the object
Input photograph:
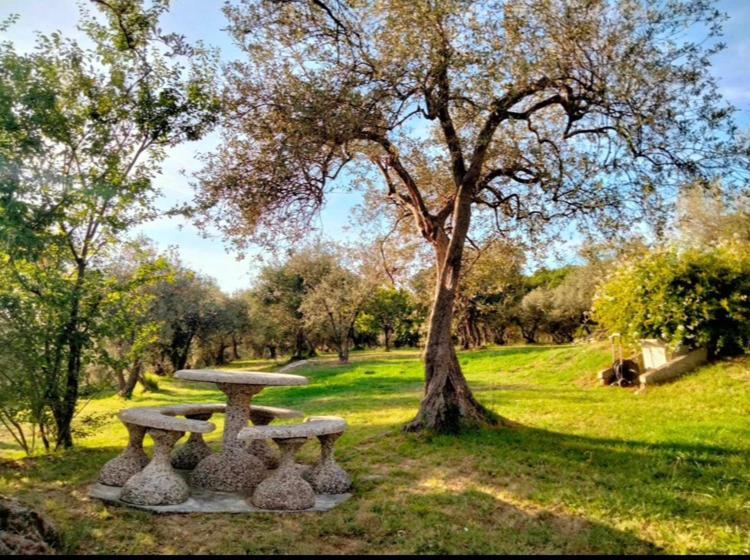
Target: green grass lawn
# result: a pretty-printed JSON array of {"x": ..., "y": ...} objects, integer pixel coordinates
[{"x": 589, "y": 469}]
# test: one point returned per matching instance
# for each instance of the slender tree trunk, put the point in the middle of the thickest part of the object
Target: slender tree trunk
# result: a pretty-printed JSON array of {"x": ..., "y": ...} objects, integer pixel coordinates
[
  {"x": 129, "y": 386},
  {"x": 64, "y": 409},
  {"x": 387, "y": 333},
  {"x": 344, "y": 352},
  {"x": 300, "y": 345},
  {"x": 448, "y": 405},
  {"x": 235, "y": 351},
  {"x": 219, "y": 358}
]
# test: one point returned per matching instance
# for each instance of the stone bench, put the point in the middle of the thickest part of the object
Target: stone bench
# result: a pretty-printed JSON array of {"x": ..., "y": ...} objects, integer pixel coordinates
[
  {"x": 285, "y": 488},
  {"x": 195, "y": 448},
  {"x": 262, "y": 416},
  {"x": 156, "y": 483}
]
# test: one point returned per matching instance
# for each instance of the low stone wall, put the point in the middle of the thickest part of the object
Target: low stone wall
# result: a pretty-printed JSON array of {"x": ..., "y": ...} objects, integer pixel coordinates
[{"x": 675, "y": 368}]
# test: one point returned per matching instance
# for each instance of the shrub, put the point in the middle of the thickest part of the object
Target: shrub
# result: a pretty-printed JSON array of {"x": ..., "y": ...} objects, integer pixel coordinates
[
  {"x": 150, "y": 383},
  {"x": 694, "y": 296}
]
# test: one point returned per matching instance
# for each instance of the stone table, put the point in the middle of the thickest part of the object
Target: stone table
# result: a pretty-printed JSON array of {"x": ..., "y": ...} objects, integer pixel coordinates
[{"x": 234, "y": 469}]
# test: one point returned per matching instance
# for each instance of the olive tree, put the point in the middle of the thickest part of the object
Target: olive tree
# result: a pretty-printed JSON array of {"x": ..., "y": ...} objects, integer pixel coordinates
[{"x": 464, "y": 114}]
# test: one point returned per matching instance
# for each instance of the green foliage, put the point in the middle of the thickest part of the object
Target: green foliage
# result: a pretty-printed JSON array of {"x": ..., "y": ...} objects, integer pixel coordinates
[
  {"x": 393, "y": 312},
  {"x": 697, "y": 296},
  {"x": 82, "y": 134}
]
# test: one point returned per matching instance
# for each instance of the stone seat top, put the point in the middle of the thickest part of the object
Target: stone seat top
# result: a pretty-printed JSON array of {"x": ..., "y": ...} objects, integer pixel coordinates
[
  {"x": 218, "y": 408},
  {"x": 163, "y": 417},
  {"x": 193, "y": 409},
  {"x": 316, "y": 426},
  {"x": 274, "y": 412},
  {"x": 257, "y": 378}
]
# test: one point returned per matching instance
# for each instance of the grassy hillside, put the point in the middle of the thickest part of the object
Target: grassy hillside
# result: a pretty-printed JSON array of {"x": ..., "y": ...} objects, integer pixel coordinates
[{"x": 589, "y": 469}]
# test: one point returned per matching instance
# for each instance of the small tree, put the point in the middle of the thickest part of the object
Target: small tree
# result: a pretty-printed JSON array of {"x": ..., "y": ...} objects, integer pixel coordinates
[
  {"x": 390, "y": 309},
  {"x": 83, "y": 132},
  {"x": 132, "y": 327},
  {"x": 333, "y": 306}
]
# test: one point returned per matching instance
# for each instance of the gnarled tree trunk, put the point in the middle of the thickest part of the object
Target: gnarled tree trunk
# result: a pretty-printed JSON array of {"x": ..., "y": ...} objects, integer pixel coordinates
[{"x": 448, "y": 405}]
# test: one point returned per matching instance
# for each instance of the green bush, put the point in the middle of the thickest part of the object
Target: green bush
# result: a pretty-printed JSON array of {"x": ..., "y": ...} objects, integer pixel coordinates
[
  {"x": 150, "y": 383},
  {"x": 695, "y": 296}
]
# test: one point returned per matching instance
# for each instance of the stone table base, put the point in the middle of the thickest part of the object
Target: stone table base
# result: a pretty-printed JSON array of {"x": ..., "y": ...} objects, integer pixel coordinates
[{"x": 207, "y": 501}]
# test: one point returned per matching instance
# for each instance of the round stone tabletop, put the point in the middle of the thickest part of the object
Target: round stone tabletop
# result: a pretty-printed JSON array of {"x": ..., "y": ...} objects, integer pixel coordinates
[{"x": 256, "y": 378}]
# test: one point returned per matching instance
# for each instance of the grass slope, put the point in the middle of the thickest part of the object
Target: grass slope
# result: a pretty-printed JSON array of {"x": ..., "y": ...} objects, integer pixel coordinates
[{"x": 590, "y": 469}]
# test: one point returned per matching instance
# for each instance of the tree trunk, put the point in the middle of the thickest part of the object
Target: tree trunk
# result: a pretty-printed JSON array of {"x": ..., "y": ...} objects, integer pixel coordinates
[
  {"x": 343, "y": 350},
  {"x": 301, "y": 345},
  {"x": 235, "y": 348},
  {"x": 129, "y": 386},
  {"x": 387, "y": 333},
  {"x": 448, "y": 405},
  {"x": 219, "y": 357},
  {"x": 64, "y": 409}
]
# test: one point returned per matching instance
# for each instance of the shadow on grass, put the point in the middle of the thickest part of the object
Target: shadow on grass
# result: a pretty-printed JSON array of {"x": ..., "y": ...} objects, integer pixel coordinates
[
  {"x": 410, "y": 519},
  {"x": 476, "y": 522},
  {"x": 695, "y": 482}
]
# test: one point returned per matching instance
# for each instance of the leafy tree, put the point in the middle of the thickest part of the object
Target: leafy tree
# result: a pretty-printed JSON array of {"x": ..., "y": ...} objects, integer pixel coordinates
[
  {"x": 707, "y": 216},
  {"x": 269, "y": 325},
  {"x": 697, "y": 296},
  {"x": 491, "y": 286},
  {"x": 185, "y": 303},
  {"x": 132, "y": 327},
  {"x": 333, "y": 305},
  {"x": 83, "y": 131},
  {"x": 224, "y": 320},
  {"x": 390, "y": 310},
  {"x": 466, "y": 116},
  {"x": 532, "y": 313}
]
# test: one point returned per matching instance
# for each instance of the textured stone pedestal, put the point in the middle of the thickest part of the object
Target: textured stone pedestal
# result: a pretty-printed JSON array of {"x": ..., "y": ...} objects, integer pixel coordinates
[
  {"x": 263, "y": 416},
  {"x": 285, "y": 489},
  {"x": 260, "y": 447},
  {"x": 157, "y": 484},
  {"x": 233, "y": 469},
  {"x": 131, "y": 461},
  {"x": 195, "y": 448},
  {"x": 327, "y": 477}
]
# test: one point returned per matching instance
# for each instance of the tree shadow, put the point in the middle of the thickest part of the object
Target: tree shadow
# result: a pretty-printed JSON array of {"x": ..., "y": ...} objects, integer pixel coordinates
[
  {"x": 476, "y": 522},
  {"x": 688, "y": 481}
]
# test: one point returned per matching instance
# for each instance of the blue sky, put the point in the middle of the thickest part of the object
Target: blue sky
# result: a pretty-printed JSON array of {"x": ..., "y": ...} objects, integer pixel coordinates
[{"x": 203, "y": 20}]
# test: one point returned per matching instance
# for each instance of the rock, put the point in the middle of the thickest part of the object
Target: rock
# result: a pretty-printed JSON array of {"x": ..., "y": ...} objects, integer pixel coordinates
[{"x": 25, "y": 531}]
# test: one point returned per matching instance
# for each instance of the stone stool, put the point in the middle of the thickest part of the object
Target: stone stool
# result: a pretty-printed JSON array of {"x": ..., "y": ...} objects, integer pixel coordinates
[
  {"x": 262, "y": 416},
  {"x": 285, "y": 489},
  {"x": 117, "y": 471},
  {"x": 194, "y": 450},
  {"x": 157, "y": 484},
  {"x": 326, "y": 476}
]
